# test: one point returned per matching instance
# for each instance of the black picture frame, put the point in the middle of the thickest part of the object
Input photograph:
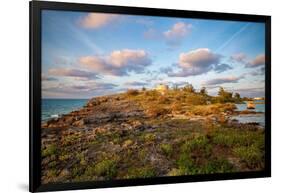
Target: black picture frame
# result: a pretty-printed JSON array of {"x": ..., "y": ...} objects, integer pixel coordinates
[{"x": 35, "y": 94}]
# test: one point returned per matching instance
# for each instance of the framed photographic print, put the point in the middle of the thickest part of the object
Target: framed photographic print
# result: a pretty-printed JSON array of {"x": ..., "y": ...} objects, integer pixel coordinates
[{"x": 123, "y": 96}]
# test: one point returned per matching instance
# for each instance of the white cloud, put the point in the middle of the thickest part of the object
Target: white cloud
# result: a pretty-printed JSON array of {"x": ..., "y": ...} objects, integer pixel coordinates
[
  {"x": 69, "y": 72},
  {"x": 95, "y": 63},
  {"x": 239, "y": 57},
  {"x": 135, "y": 84},
  {"x": 251, "y": 91},
  {"x": 97, "y": 20},
  {"x": 258, "y": 72},
  {"x": 222, "y": 67},
  {"x": 47, "y": 78},
  {"x": 178, "y": 31},
  {"x": 173, "y": 36},
  {"x": 217, "y": 81},
  {"x": 118, "y": 63},
  {"x": 257, "y": 61},
  {"x": 202, "y": 57},
  {"x": 196, "y": 62},
  {"x": 120, "y": 58},
  {"x": 86, "y": 89}
]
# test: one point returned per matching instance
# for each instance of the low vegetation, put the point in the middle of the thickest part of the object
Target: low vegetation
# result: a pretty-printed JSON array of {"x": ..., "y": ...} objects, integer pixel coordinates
[{"x": 143, "y": 133}]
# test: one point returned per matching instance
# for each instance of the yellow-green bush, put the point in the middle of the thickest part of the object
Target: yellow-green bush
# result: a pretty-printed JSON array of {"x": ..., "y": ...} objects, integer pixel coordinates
[
  {"x": 167, "y": 149},
  {"x": 251, "y": 155},
  {"x": 49, "y": 150},
  {"x": 143, "y": 172}
]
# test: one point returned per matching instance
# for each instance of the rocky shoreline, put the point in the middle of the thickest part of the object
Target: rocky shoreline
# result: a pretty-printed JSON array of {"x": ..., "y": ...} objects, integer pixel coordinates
[{"x": 119, "y": 137}]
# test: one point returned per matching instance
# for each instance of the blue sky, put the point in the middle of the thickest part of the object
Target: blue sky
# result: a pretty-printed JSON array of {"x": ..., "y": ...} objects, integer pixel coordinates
[{"x": 93, "y": 54}]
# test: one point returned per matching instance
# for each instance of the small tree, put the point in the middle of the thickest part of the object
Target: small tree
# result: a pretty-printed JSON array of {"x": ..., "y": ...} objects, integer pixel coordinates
[
  {"x": 175, "y": 87},
  {"x": 237, "y": 96},
  {"x": 221, "y": 91},
  {"x": 224, "y": 96},
  {"x": 189, "y": 88},
  {"x": 203, "y": 91}
]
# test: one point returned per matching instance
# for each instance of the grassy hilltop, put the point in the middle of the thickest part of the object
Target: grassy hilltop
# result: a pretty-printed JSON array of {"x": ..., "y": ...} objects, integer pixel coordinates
[{"x": 143, "y": 133}]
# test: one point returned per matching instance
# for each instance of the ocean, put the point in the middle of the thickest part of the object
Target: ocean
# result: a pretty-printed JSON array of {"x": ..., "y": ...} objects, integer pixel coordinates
[
  {"x": 52, "y": 108},
  {"x": 258, "y": 118},
  {"x": 259, "y": 107}
]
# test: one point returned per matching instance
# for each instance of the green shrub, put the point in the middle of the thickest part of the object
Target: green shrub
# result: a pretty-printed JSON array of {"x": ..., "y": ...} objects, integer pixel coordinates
[
  {"x": 219, "y": 165},
  {"x": 106, "y": 168},
  {"x": 230, "y": 140},
  {"x": 76, "y": 171},
  {"x": 176, "y": 172},
  {"x": 251, "y": 155},
  {"x": 142, "y": 154},
  {"x": 64, "y": 157},
  {"x": 231, "y": 137},
  {"x": 189, "y": 165},
  {"x": 144, "y": 172},
  {"x": 167, "y": 149},
  {"x": 186, "y": 164},
  {"x": 83, "y": 161},
  {"x": 224, "y": 96},
  {"x": 52, "y": 173},
  {"x": 70, "y": 139},
  {"x": 127, "y": 143},
  {"x": 200, "y": 143},
  {"x": 194, "y": 156},
  {"x": 49, "y": 150},
  {"x": 52, "y": 164},
  {"x": 149, "y": 137}
]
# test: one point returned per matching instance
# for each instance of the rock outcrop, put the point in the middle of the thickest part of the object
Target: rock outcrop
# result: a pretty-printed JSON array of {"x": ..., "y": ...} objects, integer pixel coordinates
[{"x": 122, "y": 137}]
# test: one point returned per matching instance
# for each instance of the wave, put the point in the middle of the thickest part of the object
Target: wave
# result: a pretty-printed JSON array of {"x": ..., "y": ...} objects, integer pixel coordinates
[{"x": 55, "y": 116}]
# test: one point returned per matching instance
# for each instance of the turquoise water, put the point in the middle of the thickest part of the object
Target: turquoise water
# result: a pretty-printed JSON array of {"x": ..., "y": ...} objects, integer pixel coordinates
[
  {"x": 259, "y": 107},
  {"x": 257, "y": 118},
  {"x": 52, "y": 108}
]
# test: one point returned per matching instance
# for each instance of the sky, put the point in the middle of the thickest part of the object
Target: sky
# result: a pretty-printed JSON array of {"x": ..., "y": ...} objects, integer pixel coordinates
[{"x": 86, "y": 54}]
